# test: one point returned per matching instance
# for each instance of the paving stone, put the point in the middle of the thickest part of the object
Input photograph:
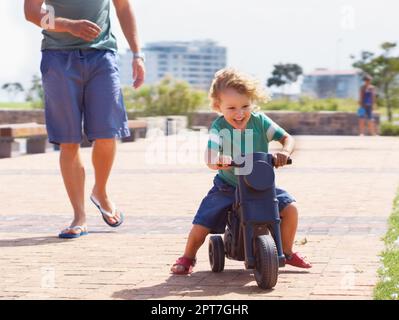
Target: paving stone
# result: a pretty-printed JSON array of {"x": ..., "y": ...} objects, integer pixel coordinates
[{"x": 344, "y": 189}]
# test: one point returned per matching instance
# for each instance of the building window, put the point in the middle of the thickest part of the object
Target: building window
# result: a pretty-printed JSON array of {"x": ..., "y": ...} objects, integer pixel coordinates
[{"x": 193, "y": 56}]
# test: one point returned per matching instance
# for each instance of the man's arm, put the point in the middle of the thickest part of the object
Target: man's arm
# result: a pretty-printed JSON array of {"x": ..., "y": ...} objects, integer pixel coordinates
[
  {"x": 83, "y": 29},
  {"x": 127, "y": 21}
]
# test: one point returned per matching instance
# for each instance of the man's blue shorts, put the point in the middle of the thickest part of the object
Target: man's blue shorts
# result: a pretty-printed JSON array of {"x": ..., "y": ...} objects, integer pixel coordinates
[
  {"x": 82, "y": 93},
  {"x": 212, "y": 212}
]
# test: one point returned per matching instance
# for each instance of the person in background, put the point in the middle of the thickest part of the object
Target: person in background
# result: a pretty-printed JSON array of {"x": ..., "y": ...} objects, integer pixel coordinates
[{"x": 367, "y": 102}]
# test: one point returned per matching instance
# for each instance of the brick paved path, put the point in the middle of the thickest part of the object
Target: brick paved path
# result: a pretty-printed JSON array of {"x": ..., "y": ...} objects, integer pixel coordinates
[{"x": 344, "y": 187}]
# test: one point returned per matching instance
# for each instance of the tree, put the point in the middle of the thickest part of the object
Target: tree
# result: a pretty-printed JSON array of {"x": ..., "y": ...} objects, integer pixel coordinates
[
  {"x": 384, "y": 69},
  {"x": 169, "y": 97},
  {"x": 12, "y": 88},
  {"x": 284, "y": 74},
  {"x": 35, "y": 94}
]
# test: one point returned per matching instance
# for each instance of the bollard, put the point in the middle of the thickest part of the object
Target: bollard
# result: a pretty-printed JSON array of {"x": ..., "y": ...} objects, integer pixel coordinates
[
  {"x": 170, "y": 127},
  {"x": 36, "y": 145},
  {"x": 5, "y": 147}
]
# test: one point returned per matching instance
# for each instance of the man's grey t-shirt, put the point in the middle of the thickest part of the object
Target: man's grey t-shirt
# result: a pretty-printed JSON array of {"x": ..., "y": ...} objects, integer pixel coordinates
[{"x": 97, "y": 11}]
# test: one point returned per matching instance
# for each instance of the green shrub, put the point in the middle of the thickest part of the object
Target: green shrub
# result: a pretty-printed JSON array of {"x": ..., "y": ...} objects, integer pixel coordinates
[
  {"x": 305, "y": 104},
  {"x": 169, "y": 97},
  {"x": 389, "y": 129}
]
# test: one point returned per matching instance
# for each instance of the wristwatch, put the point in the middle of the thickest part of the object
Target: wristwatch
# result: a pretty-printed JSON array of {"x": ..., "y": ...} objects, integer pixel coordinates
[{"x": 139, "y": 55}]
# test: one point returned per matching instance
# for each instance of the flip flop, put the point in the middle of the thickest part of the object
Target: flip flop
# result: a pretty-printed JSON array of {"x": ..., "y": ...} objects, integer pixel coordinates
[
  {"x": 65, "y": 235},
  {"x": 105, "y": 213}
]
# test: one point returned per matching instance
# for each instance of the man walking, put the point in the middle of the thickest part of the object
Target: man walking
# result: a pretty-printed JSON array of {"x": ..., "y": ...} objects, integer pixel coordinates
[{"x": 82, "y": 93}]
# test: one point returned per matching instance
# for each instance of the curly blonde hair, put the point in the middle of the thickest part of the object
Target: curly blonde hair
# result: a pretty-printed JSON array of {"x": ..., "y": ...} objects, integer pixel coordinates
[{"x": 233, "y": 79}]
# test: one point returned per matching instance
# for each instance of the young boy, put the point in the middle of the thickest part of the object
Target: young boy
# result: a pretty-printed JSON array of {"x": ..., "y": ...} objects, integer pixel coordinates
[{"x": 233, "y": 94}]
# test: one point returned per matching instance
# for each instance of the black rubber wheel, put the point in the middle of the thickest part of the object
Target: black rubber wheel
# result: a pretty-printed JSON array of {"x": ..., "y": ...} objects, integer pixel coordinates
[
  {"x": 216, "y": 253},
  {"x": 266, "y": 266}
]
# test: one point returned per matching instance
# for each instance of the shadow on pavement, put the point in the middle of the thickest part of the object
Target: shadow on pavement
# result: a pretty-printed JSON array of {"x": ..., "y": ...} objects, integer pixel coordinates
[
  {"x": 33, "y": 241},
  {"x": 199, "y": 284},
  {"x": 293, "y": 271}
]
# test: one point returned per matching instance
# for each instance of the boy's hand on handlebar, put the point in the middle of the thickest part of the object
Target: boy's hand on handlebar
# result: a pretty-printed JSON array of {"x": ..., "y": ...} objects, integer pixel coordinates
[
  {"x": 224, "y": 162},
  {"x": 280, "y": 158}
]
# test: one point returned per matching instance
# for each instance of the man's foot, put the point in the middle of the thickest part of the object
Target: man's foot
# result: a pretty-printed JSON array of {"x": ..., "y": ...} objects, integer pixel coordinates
[
  {"x": 297, "y": 260},
  {"x": 75, "y": 230},
  {"x": 108, "y": 206}
]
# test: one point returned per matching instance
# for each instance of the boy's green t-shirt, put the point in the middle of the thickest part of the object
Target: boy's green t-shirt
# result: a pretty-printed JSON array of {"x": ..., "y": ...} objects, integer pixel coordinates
[
  {"x": 225, "y": 139},
  {"x": 97, "y": 11}
]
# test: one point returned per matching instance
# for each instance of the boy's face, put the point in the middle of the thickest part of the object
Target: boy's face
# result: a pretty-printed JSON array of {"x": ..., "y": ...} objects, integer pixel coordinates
[{"x": 236, "y": 108}]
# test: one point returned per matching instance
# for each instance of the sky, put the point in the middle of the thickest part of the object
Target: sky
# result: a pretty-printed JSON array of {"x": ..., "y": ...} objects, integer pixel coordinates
[{"x": 257, "y": 33}]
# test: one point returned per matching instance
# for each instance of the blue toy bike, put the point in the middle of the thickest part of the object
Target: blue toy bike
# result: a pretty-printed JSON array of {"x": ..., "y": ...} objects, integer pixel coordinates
[{"x": 252, "y": 233}]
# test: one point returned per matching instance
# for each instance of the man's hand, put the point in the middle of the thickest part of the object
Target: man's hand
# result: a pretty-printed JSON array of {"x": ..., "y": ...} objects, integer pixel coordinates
[
  {"x": 138, "y": 72},
  {"x": 83, "y": 29}
]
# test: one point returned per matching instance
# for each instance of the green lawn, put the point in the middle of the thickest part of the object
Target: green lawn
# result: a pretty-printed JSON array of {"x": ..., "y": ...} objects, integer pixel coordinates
[
  {"x": 388, "y": 286},
  {"x": 16, "y": 105}
]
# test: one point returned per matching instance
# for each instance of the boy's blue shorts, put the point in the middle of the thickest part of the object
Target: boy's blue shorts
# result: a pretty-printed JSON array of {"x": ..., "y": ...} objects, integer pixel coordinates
[
  {"x": 82, "y": 88},
  {"x": 212, "y": 212}
]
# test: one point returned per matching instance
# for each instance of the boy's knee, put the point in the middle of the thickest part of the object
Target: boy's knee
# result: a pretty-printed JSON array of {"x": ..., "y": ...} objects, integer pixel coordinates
[
  {"x": 199, "y": 232},
  {"x": 290, "y": 210}
]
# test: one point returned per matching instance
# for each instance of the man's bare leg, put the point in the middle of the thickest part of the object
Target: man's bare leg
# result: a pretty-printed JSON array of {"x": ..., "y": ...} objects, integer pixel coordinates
[
  {"x": 73, "y": 174},
  {"x": 103, "y": 156}
]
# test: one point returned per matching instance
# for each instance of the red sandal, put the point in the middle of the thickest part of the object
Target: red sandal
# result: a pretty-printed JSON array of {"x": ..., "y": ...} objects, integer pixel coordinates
[
  {"x": 187, "y": 263},
  {"x": 297, "y": 260}
]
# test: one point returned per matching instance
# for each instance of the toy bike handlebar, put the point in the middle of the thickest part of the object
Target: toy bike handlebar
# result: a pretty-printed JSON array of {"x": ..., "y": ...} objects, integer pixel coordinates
[{"x": 241, "y": 165}]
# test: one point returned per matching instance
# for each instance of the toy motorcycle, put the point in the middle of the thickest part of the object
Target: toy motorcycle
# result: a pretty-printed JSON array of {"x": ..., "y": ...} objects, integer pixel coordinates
[{"x": 252, "y": 233}]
